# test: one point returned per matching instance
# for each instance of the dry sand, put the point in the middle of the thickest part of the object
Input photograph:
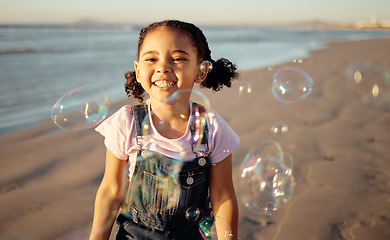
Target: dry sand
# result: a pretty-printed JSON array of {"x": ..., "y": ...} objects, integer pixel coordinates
[{"x": 340, "y": 145}]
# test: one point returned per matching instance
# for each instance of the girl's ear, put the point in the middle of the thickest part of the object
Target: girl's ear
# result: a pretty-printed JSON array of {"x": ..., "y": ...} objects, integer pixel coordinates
[
  {"x": 136, "y": 67},
  {"x": 200, "y": 77}
]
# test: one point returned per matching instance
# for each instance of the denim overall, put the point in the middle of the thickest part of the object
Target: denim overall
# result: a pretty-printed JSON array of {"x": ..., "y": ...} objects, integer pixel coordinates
[{"x": 162, "y": 190}]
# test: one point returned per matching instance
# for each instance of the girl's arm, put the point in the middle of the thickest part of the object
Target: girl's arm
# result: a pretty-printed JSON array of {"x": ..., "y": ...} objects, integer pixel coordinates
[
  {"x": 108, "y": 197},
  {"x": 223, "y": 198}
]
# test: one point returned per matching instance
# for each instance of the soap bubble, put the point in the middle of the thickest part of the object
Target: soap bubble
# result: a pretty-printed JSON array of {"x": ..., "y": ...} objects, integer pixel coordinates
[
  {"x": 178, "y": 102},
  {"x": 208, "y": 228},
  {"x": 288, "y": 162},
  {"x": 270, "y": 209},
  {"x": 206, "y": 66},
  {"x": 266, "y": 150},
  {"x": 279, "y": 180},
  {"x": 297, "y": 60},
  {"x": 192, "y": 214},
  {"x": 291, "y": 85},
  {"x": 156, "y": 186},
  {"x": 266, "y": 177},
  {"x": 279, "y": 128},
  {"x": 369, "y": 81},
  {"x": 81, "y": 108},
  {"x": 245, "y": 88}
]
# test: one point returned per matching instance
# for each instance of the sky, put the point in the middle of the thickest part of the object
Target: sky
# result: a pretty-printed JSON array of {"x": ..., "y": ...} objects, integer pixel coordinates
[{"x": 217, "y": 12}]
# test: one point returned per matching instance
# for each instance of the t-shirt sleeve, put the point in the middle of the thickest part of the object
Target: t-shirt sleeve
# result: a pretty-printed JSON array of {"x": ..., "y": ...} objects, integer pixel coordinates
[
  {"x": 117, "y": 131},
  {"x": 223, "y": 139}
]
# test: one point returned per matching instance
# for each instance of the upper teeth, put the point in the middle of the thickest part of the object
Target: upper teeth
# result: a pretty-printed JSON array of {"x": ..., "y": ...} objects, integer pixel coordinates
[{"x": 164, "y": 84}]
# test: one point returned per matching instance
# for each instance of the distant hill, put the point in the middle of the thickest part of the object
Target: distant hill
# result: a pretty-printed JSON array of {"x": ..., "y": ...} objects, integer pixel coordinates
[
  {"x": 384, "y": 25},
  {"x": 318, "y": 25},
  {"x": 92, "y": 22}
]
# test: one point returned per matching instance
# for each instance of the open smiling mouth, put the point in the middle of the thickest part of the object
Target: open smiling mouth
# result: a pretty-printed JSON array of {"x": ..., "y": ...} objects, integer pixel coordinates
[{"x": 164, "y": 84}]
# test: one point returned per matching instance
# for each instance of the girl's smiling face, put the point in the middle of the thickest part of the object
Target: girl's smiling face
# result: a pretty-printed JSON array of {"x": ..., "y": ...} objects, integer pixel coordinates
[{"x": 168, "y": 61}]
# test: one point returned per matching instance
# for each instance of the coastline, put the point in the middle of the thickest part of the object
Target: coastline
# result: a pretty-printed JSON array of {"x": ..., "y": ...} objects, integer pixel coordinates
[
  {"x": 339, "y": 145},
  {"x": 261, "y": 46}
]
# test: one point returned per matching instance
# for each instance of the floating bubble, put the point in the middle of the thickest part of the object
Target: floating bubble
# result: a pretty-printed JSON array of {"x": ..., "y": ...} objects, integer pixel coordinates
[
  {"x": 81, "y": 108},
  {"x": 270, "y": 209},
  {"x": 297, "y": 60},
  {"x": 192, "y": 214},
  {"x": 370, "y": 82},
  {"x": 212, "y": 228},
  {"x": 275, "y": 173},
  {"x": 156, "y": 186},
  {"x": 196, "y": 113},
  {"x": 266, "y": 177},
  {"x": 244, "y": 89},
  {"x": 288, "y": 162},
  {"x": 279, "y": 128},
  {"x": 284, "y": 193},
  {"x": 206, "y": 66},
  {"x": 266, "y": 150},
  {"x": 280, "y": 180},
  {"x": 291, "y": 85}
]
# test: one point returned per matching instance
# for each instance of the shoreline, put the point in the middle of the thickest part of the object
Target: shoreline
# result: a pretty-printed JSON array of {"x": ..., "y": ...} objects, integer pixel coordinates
[
  {"x": 116, "y": 103},
  {"x": 339, "y": 145},
  {"x": 22, "y": 113}
]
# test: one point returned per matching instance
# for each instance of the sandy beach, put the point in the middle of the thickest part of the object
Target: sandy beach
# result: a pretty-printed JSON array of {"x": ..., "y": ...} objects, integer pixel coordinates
[{"x": 339, "y": 141}]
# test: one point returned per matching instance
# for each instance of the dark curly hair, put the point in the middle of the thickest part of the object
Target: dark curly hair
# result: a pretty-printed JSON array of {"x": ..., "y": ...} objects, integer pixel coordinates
[{"x": 223, "y": 71}]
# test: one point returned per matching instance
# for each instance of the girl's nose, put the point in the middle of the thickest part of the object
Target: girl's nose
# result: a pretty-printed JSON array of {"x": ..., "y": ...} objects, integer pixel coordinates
[{"x": 163, "y": 67}]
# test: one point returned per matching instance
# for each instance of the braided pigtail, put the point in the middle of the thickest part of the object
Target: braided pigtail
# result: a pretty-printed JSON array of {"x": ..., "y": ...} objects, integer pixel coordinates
[
  {"x": 132, "y": 87},
  {"x": 222, "y": 74}
]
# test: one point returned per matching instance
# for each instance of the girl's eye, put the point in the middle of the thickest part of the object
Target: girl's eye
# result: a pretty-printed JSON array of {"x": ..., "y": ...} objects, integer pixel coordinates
[{"x": 178, "y": 59}]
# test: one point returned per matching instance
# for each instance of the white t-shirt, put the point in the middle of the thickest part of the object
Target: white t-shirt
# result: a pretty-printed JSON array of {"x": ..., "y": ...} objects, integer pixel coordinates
[{"x": 119, "y": 132}]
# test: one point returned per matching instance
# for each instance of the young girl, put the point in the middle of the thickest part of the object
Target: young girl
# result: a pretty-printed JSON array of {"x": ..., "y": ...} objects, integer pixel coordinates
[{"x": 170, "y": 54}]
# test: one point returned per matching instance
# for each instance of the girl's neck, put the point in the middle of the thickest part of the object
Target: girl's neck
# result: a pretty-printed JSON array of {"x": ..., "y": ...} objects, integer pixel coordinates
[{"x": 171, "y": 120}]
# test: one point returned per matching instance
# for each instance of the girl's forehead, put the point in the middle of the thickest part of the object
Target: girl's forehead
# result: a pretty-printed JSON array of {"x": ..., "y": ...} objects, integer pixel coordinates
[
  {"x": 169, "y": 31},
  {"x": 163, "y": 32},
  {"x": 170, "y": 39}
]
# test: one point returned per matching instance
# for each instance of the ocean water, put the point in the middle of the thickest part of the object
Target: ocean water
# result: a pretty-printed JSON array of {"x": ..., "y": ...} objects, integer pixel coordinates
[{"x": 39, "y": 64}]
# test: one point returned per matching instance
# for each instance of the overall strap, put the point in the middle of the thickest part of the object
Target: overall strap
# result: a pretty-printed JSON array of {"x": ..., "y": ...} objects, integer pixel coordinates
[{"x": 139, "y": 113}]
